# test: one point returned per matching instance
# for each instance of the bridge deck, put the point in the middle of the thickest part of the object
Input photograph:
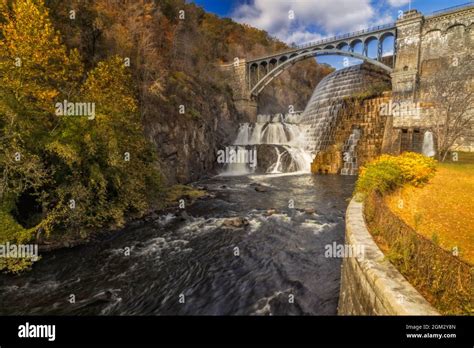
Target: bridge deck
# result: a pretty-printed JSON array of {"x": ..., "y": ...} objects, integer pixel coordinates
[
  {"x": 329, "y": 41},
  {"x": 334, "y": 40}
]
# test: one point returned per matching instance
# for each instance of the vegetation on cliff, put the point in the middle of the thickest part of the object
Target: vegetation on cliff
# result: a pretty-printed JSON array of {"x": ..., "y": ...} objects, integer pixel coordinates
[
  {"x": 66, "y": 174},
  {"x": 134, "y": 65},
  {"x": 175, "y": 49}
]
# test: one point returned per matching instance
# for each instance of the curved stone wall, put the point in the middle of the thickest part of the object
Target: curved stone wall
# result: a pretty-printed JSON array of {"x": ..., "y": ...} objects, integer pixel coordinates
[
  {"x": 322, "y": 111},
  {"x": 370, "y": 285}
]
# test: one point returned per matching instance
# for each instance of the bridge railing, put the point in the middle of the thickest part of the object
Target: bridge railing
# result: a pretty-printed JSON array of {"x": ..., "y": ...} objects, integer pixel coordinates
[
  {"x": 362, "y": 32},
  {"x": 450, "y": 9},
  {"x": 331, "y": 39},
  {"x": 348, "y": 35}
]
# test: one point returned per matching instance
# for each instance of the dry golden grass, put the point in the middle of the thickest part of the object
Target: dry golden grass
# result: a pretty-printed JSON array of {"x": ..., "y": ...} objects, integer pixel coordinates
[{"x": 443, "y": 210}]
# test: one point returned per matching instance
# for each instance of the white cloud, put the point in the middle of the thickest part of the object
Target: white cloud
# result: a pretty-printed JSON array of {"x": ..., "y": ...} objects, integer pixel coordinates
[
  {"x": 302, "y": 36},
  {"x": 382, "y": 19},
  {"x": 398, "y": 3},
  {"x": 313, "y": 19}
]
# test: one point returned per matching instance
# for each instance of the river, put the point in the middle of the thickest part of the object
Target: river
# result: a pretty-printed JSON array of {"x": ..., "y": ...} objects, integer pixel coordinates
[{"x": 188, "y": 264}]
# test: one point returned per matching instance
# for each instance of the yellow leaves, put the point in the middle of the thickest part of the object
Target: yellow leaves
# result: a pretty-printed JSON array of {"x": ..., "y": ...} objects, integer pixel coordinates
[
  {"x": 13, "y": 232},
  {"x": 29, "y": 36},
  {"x": 442, "y": 207},
  {"x": 387, "y": 172},
  {"x": 64, "y": 151},
  {"x": 110, "y": 86},
  {"x": 416, "y": 169},
  {"x": 47, "y": 95},
  {"x": 65, "y": 156},
  {"x": 9, "y": 227}
]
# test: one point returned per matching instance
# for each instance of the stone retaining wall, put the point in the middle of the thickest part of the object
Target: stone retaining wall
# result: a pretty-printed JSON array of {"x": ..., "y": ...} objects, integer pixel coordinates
[{"x": 370, "y": 285}]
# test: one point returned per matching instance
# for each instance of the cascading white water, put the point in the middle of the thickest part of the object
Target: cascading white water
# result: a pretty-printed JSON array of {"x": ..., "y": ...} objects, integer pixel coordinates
[
  {"x": 275, "y": 168},
  {"x": 350, "y": 155},
  {"x": 256, "y": 137},
  {"x": 301, "y": 159},
  {"x": 274, "y": 134},
  {"x": 283, "y": 133},
  {"x": 243, "y": 134},
  {"x": 237, "y": 167},
  {"x": 321, "y": 112},
  {"x": 428, "y": 144}
]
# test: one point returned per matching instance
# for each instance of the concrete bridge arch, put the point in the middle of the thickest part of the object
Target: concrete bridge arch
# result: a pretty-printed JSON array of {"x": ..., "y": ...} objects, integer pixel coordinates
[
  {"x": 419, "y": 41},
  {"x": 288, "y": 61}
]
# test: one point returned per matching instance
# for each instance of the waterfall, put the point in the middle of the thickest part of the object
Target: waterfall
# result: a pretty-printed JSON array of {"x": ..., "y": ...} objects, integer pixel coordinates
[
  {"x": 301, "y": 159},
  {"x": 243, "y": 135},
  {"x": 275, "y": 168},
  {"x": 321, "y": 112},
  {"x": 237, "y": 166},
  {"x": 256, "y": 137},
  {"x": 350, "y": 155},
  {"x": 289, "y": 143},
  {"x": 274, "y": 133},
  {"x": 283, "y": 135},
  {"x": 428, "y": 144}
]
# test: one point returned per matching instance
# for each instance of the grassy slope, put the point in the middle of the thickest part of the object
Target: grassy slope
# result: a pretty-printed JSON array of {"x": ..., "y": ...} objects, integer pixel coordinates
[{"x": 443, "y": 210}]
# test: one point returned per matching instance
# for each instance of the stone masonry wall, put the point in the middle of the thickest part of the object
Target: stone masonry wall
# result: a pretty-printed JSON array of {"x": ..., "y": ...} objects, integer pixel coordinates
[
  {"x": 237, "y": 73},
  {"x": 370, "y": 285},
  {"x": 363, "y": 115},
  {"x": 424, "y": 46}
]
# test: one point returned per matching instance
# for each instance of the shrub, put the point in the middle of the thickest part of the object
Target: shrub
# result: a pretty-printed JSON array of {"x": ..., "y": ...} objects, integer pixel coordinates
[
  {"x": 380, "y": 176},
  {"x": 14, "y": 233},
  {"x": 387, "y": 172}
]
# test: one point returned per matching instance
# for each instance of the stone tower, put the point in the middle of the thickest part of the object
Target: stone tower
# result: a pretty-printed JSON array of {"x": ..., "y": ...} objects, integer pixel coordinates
[
  {"x": 243, "y": 101},
  {"x": 405, "y": 76}
]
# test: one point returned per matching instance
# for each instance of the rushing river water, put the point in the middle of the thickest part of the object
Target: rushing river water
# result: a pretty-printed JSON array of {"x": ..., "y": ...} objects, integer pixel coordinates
[{"x": 280, "y": 256}]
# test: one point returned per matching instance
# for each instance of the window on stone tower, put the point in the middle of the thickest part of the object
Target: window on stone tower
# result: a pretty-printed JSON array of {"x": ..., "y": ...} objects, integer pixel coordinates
[
  {"x": 404, "y": 141},
  {"x": 417, "y": 143}
]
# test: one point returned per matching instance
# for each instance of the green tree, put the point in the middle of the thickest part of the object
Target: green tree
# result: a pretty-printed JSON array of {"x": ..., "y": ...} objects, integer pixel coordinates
[
  {"x": 35, "y": 70},
  {"x": 106, "y": 163},
  {"x": 103, "y": 165}
]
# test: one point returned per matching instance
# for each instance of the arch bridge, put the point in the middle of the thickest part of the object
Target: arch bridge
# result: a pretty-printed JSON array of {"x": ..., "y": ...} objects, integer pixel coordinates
[{"x": 261, "y": 71}]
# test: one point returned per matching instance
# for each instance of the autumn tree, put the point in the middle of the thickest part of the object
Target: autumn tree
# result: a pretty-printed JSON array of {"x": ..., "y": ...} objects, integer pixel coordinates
[
  {"x": 35, "y": 71},
  {"x": 84, "y": 173},
  {"x": 107, "y": 163},
  {"x": 451, "y": 91}
]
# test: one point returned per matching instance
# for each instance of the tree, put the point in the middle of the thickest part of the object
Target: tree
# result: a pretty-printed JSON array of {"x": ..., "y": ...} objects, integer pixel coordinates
[
  {"x": 34, "y": 65},
  {"x": 104, "y": 164},
  {"x": 35, "y": 71},
  {"x": 451, "y": 91}
]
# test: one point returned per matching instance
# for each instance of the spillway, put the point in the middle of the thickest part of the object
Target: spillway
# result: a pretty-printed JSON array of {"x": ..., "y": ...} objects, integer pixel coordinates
[
  {"x": 289, "y": 143},
  {"x": 322, "y": 110}
]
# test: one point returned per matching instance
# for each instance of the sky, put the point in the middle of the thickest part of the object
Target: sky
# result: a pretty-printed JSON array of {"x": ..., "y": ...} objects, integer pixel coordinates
[{"x": 302, "y": 21}]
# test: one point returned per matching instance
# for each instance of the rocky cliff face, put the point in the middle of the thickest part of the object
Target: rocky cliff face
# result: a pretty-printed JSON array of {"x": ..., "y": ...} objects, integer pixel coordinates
[
  {"x": 187, "y": 146},
  {"x": 187, "y": 106}
]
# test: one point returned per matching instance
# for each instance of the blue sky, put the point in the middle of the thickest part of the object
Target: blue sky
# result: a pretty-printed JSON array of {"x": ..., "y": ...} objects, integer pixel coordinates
[{"x": 315, "y": 19}]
